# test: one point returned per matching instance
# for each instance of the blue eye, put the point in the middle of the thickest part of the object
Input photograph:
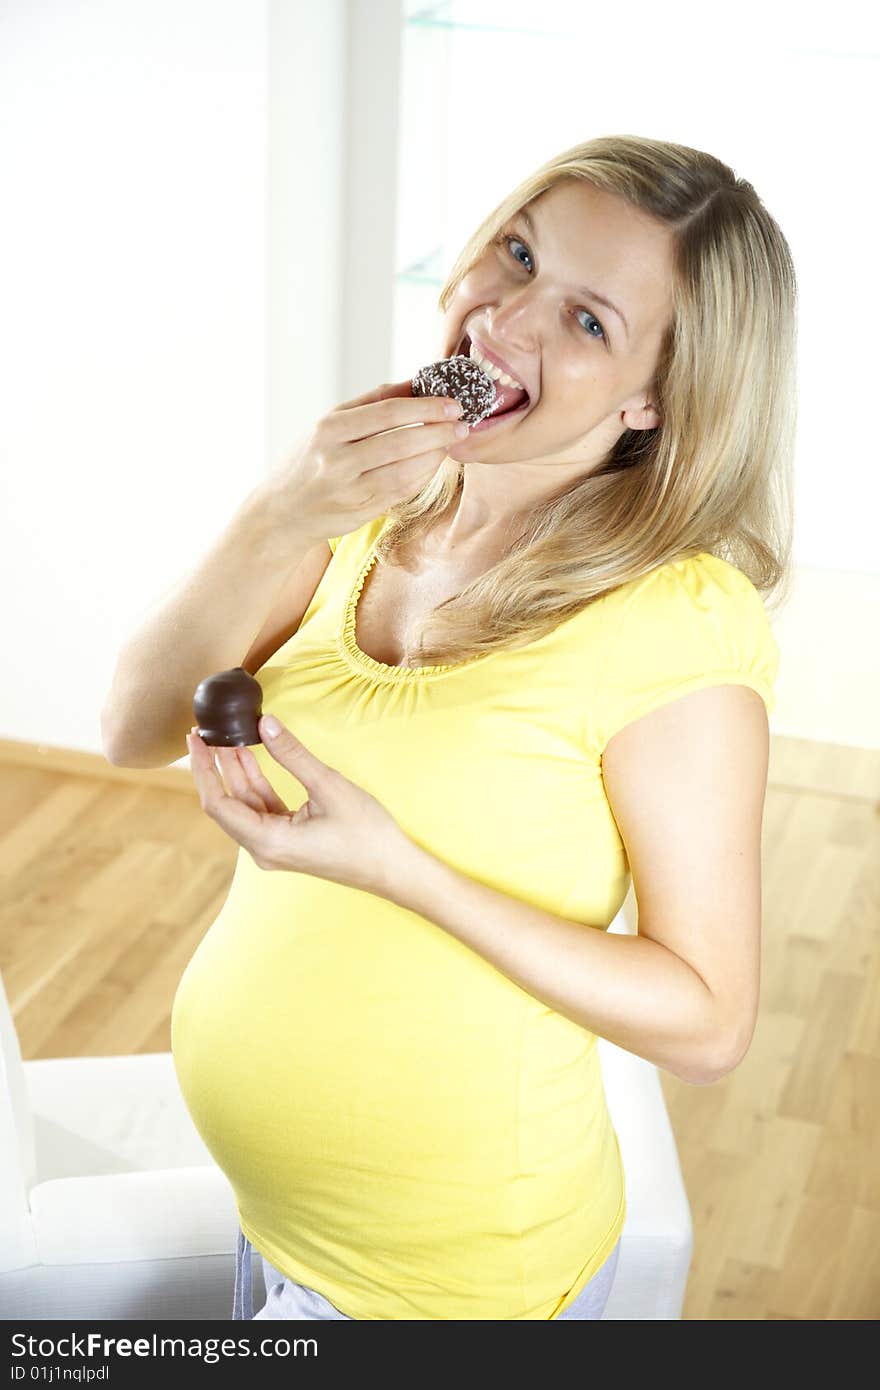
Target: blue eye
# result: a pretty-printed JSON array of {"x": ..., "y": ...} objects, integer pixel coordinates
[
  {"x": 595, "y": 321},
  {"x": 509, "y": 239}
]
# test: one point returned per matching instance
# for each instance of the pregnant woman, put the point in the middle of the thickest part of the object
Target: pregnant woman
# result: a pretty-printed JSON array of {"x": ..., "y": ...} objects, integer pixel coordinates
[{"x": 531, "y": 665}]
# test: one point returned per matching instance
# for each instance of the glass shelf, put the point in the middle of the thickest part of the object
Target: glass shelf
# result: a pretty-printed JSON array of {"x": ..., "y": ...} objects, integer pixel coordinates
[
  {"x": 849, "y": 30},
  {"x": 424, "y": 272},
  {"x": 446, "y": 45},
  {"x": 450, "y": 49},
  {"x": 482, "y": 16}
]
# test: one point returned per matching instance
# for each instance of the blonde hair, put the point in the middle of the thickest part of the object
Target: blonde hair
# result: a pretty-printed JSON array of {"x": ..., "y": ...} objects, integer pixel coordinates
[{"x": 715, "y": 476}]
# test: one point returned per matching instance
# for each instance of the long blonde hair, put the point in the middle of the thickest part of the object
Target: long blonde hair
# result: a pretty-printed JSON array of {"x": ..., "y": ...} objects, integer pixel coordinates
[{"x": 715, "y": 476}]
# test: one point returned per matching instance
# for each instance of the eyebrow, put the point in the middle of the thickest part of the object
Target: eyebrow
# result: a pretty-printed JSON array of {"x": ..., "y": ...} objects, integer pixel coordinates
[{"x": 581, "y": 289}]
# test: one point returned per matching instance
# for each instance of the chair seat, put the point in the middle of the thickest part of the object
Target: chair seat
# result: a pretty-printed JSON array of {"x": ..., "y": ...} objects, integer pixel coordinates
[
  {"x": 126, "y": 1214},
  {"x": 161, "y": 1213},
  {"x": 96, "y": 1115}
]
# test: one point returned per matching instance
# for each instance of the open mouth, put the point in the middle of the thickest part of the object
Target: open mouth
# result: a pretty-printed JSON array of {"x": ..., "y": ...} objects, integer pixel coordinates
[{"x": 519, "y": 408}]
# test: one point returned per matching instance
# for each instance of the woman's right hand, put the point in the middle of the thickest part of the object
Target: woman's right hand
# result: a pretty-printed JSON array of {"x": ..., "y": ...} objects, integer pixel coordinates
[{"x": 358, "y": 462}]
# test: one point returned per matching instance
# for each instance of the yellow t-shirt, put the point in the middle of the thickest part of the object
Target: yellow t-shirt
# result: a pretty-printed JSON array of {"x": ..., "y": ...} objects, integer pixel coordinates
[{"x": 405, "y": 1129}]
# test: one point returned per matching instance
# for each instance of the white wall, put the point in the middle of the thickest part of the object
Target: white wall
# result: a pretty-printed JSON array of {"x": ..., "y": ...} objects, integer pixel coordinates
[
  {"x": 370, "y": 157},
  {"x": 305, "y": 199},
  {"x": 139, "y": 248}
]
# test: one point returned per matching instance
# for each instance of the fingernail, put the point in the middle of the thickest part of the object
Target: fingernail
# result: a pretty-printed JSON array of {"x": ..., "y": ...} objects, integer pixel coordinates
[
  {"x": 271, "y": 725},
  {"x": 461, "y": 430},
  {"x": 454, "y": 409}
]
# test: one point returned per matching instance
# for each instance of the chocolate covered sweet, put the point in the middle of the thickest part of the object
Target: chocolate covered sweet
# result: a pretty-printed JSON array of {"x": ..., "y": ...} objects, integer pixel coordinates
[
  {"x": 461, "y": 378},
  {"x": 227, "y": 707}
]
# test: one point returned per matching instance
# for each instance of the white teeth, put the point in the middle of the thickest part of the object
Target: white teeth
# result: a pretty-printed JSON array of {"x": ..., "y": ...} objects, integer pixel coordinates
[{"x": 494, "y": 372}]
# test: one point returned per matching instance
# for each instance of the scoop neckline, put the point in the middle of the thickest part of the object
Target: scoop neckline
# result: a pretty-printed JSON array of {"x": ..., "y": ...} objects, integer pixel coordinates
[
  {"x": 388, "y": 673},
  {"x": 383, "y": 670}
]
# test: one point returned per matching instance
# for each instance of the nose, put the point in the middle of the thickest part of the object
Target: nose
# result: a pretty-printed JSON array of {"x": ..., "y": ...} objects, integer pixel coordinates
[{"x": 515, "y": 323}]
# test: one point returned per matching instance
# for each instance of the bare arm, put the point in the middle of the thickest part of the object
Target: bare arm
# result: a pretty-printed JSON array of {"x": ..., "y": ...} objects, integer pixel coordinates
[
  {"x": 209, "y": 622},
  {"x": 357, "y": 461}
]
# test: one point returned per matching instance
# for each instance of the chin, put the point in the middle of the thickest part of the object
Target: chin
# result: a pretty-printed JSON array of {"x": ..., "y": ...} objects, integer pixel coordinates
[{"x": 471, "y": 451}]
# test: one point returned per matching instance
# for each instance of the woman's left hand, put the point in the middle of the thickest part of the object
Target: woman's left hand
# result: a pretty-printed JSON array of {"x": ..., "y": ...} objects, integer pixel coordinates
[{"x": 341, "y": 832}]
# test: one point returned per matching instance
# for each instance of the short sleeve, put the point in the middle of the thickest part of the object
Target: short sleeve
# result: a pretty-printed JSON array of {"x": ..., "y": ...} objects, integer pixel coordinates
[
  {"x": 333, "y": 542},
  {"x": 688, "y": 624}
]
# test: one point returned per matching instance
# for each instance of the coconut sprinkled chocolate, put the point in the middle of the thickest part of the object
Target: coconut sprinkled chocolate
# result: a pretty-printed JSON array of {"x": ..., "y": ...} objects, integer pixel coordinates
[{"x": 461, "y": 378}]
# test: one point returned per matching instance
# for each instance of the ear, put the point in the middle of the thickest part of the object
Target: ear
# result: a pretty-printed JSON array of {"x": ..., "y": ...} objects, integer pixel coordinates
[{"x": 648, "y": 417}]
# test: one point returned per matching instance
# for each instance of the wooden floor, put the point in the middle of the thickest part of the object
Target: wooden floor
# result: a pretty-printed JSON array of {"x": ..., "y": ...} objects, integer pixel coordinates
[{"x": 109, "y": 878}]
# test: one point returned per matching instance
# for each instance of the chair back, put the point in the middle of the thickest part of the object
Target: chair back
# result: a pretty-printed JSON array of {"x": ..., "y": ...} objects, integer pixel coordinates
[{"x": 18, "y": 1161}]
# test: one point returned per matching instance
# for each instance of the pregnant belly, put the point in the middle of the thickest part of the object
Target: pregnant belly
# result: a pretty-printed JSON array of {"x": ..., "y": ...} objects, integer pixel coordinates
[
  {"x": 390, "y": 1110},
  {"x": 367, "y": 1043}
]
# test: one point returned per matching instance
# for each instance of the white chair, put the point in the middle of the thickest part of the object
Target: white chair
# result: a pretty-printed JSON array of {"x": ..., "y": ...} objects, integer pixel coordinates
[{"x": 112, "y": 1207}]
